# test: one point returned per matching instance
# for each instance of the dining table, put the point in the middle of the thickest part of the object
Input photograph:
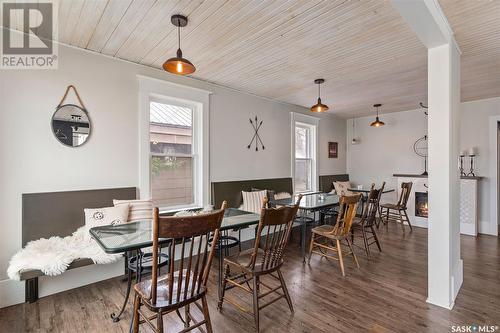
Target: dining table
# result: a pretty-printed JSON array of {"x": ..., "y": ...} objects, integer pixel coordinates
[
  {"x": 312, "y": 203},
  {"x": 365, "y": 190},
  {"x": 131, "y": 238}
]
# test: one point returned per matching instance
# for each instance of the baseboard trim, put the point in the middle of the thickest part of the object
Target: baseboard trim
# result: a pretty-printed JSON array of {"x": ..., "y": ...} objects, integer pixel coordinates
[
  {"x": 12, "y": 292},
  {"x": 485, "y": 227},
  {"x": 457, "y": 278},
  {"x": 468, "y": 229}
]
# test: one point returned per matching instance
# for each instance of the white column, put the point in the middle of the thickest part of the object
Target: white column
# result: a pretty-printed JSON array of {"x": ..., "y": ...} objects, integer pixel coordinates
[{"x": 445, "y": 272}]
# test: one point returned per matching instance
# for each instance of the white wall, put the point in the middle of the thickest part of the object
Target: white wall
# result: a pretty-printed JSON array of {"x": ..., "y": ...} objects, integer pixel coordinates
[
  {"x": 384, "y": 151},
  {"x": 33, "y": 161},
  {"x": 389, "y": 149},
  {"x": 474, "y": 132}
]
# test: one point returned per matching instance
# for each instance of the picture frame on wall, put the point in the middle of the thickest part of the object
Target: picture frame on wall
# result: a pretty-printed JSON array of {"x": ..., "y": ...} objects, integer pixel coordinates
[{"x": 333, "y": 150}]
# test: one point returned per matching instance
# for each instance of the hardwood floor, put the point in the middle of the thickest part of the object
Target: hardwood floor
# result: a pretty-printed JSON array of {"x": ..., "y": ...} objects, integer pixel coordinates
[{"x": 387, "y": 294}]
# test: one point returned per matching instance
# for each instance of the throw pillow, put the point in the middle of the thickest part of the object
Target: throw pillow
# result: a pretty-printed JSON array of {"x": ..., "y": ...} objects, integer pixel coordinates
[
  {"x": 139, "y": 209},
  {"x": 252, "y": 201},
  {"x": 342, "y": 188},
  {"x": 95, "y": 217}
]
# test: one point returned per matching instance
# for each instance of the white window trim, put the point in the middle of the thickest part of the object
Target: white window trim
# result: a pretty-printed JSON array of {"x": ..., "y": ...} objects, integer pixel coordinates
[
  {"x": 314, "y": 123},
  {"x": 151, "y": 89}
]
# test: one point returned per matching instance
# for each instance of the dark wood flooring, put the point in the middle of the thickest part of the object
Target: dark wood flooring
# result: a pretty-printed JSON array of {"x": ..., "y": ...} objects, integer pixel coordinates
[{"x": 388, "y": 294}]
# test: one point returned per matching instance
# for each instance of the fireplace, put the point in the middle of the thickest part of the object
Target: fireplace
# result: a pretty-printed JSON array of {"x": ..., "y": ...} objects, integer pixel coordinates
[{"x": 421, "y": 205}]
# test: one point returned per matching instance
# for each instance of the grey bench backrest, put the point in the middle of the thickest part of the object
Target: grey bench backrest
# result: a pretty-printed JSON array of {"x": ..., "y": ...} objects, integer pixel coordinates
[
  {"x": 231, "y": 190},
  {"x": 61, "y": 213},
  {"x": 326, "y": 182}
]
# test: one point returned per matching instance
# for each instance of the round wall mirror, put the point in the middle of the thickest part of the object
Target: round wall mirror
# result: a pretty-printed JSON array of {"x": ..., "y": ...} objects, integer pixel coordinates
[{"x": 71, "y": 125}]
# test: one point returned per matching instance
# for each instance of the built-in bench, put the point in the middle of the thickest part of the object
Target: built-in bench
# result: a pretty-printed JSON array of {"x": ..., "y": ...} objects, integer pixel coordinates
[
  {"x": 231, "y": 190},
  {"x": 59, "y": 214},
  {"x": 326, "y": 182}
]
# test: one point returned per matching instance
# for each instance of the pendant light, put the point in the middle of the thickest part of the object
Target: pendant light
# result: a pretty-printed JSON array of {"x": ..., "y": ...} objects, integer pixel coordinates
[
  {"x": 319, "y": 107},
  {"x": 354, "y": 141},
  {"x": 377, "y": 122},
  {"x": 179, "y": 65}
]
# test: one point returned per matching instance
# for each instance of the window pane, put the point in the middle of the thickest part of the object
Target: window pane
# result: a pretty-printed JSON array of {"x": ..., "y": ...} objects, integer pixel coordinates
[
  {"x": 170, "y": 129},
  {"x": 171, "y": 181},
  {"x": 171, "y": 138},
  {"x": 302, "y": 175},
  {"x": 301, "y": 142}
]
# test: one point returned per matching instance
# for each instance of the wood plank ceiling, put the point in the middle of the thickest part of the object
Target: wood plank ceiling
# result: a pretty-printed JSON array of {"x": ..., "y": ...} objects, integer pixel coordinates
[
  {"x": 276, "y": 48},
  {"x": 476, "y": 25}
]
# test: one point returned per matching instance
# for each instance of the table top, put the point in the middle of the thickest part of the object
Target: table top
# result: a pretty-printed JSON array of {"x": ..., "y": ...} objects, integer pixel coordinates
[
  {"x": 131, "y": 236},
  {"x": 367, "y": 190},
  {"x": 313, "y": 201}
]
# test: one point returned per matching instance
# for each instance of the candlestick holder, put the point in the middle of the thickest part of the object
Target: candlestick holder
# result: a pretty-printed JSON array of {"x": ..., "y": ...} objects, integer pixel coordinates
[
  {"x": 471, "y": 171},
  {"x": 462, "y": 172}
]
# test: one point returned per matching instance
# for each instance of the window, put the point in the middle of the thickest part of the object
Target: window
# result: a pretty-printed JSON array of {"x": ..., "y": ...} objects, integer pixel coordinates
[
  {"x": 304, "y": 153},
  {"x": 173, "y": 144},
  {"x": 172, "y": 158}
]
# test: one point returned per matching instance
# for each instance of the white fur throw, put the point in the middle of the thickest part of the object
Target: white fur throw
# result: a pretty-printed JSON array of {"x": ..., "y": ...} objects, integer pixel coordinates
[{"x": 53, "y": 256}]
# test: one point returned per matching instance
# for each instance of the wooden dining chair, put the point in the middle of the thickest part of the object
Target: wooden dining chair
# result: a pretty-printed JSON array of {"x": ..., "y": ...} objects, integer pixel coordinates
[
  {"x": 379, "y": 211},
  {"x": 397, "y": 212},
  {"x": 363, "y": 226},
  {"x": 328, "y": 238},
  {"x": 246, "y": 270},
  {"x": 186, "y": 284}
]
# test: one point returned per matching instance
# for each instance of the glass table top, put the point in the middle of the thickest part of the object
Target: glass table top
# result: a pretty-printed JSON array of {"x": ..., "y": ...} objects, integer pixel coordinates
[
  {"x": 135, "y": 235},
  {"x": 312, "y": 201},
  {"x": 367, "y": 190}
]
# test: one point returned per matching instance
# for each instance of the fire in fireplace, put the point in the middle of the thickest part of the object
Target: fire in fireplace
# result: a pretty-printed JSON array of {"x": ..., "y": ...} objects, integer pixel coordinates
[{"x": 421, "y": 205}]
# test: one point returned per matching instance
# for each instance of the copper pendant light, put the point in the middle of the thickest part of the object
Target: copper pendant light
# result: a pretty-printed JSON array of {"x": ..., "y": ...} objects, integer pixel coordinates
[
  {"x": 179, "y": 65},
  {"x": 377, "y": 122},
  {"x": 319, "y": 107}
]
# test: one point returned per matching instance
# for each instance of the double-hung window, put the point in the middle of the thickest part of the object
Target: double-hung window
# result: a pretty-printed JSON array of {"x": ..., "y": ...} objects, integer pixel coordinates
[
  {"x": 305, "y": 163},
  {"x": 174, "y": 169},
  {"x": 173, "y": 161}
]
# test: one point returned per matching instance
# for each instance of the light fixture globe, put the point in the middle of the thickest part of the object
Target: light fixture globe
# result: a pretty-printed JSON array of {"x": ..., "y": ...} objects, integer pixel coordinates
[
  {"x": 179, "y": 65},
  {"x": 319, "y": 107},
  {"x": 377, "y": 122}
]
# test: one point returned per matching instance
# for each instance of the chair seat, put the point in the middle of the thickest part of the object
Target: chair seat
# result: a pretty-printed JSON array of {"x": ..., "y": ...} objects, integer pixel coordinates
[
  {"x": 326, "y": 231},
  {"x": 391, "y": 206},
  {"x": 143, "y": 288},
  {"x": 244, "y": 258}
]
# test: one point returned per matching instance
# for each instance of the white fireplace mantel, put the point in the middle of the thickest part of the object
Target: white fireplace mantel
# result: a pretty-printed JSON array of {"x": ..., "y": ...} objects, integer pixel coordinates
[{"x": 468, "y": 201}]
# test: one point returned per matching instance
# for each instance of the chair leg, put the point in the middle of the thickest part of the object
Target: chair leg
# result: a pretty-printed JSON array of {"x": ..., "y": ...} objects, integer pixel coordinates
[
  {"x": 341, "y": 260},
  {"x": 255, "y": 292},
  {"x": 137, "y": 302},
  {"x": 365, "y": 241},
  {"x": 387, "y": 217},
  {"x": 285, "y": 291},
  {"x": 352, "y": 252},
  {"x": 311, "y": 245},
  {"x": 408, "y": 220},
  {"x": 223, "y": 287},
  {"x": 187, "y": 316},
  {"x": 159, "y": 322},
  {"x": 376, "y": 239},
  {"x": 206, "y": 314},
  {"x": 402, "y": 221}
]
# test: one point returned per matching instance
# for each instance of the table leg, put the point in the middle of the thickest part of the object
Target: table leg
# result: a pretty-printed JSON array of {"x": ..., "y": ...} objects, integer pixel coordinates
[
  {"x": 116, "y": 317},
  {"x": 303, "y": 241},
  {"x": 220, "y": 276}
]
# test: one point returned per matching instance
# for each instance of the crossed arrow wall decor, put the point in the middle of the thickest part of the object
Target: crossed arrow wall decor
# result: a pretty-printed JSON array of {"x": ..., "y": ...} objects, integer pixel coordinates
[{"x": 256, "y": 137}]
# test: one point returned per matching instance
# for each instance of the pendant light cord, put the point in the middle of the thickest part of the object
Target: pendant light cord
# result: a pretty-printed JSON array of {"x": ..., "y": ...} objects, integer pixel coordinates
[
  {"x": 319, "y": 90},
  {"x": 179, "y": 32}
]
